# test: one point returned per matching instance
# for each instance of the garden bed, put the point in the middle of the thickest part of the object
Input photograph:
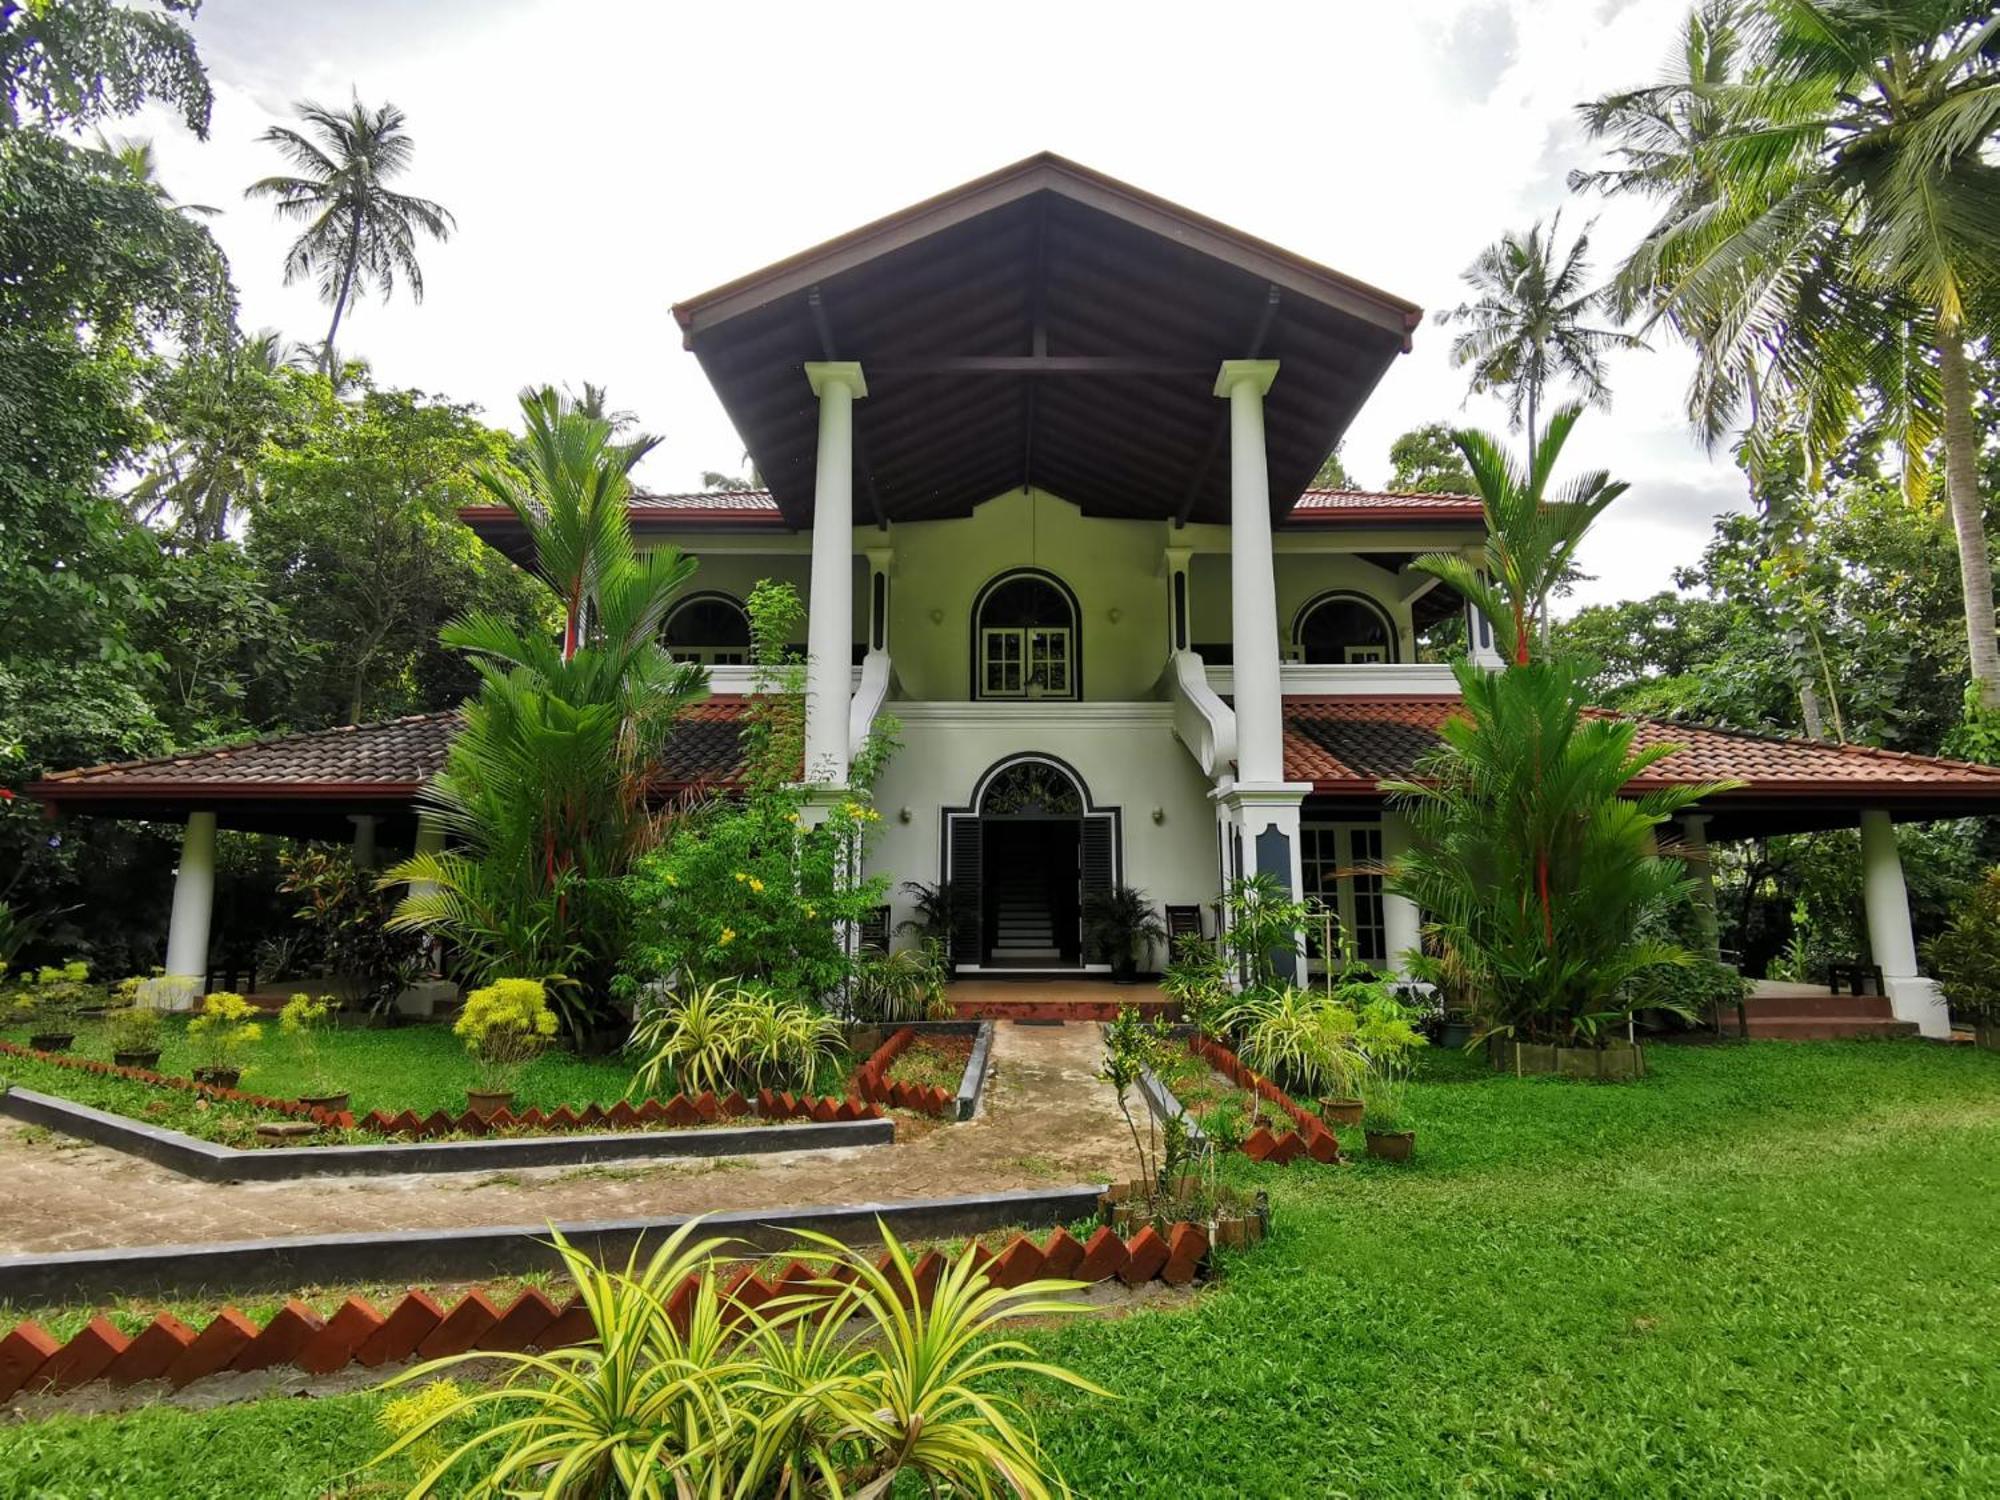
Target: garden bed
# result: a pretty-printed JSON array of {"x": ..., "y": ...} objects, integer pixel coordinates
[
  {"x": 1274, "y": 1127},
  {"x": 420, "y": 1326},
  {"x": 935, "y": 1068}
]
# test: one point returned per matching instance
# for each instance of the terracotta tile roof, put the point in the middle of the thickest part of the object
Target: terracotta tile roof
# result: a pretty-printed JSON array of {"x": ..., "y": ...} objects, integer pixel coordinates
[
  {"x": 1371, "y": 507},
  {"x": 1349, "y": 743},
  {"x": 750, "y": 502},
  {"x": 391, "y": 758}
]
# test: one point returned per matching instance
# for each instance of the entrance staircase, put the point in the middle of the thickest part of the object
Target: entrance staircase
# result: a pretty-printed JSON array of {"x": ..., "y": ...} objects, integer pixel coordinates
[
  {"x": 1811, "y": 1013},
  {"x": 1023, "y": 933}
]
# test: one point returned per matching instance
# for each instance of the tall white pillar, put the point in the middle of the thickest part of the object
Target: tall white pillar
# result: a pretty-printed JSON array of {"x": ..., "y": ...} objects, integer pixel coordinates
[
  {"x": 194, "y": 902},
  {"x": 1253, "y": 621},
  {"x": 1701, "y": 868},
  {"x": 1890, "y": 940},
  {"x": 365, "y": 825},
  {"x": 1402, "y": 923},
  {"x": 430, "y": 840},
  {"x": 830, "y": 610}
]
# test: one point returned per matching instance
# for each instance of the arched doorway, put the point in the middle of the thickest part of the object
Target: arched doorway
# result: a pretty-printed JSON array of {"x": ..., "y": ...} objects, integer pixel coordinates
[
  {"x": 1344, "y": 628},
  {"x": 1021, "y": 858}
]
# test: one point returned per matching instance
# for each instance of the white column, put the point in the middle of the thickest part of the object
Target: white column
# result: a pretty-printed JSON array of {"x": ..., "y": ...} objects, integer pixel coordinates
[
  {"x": 194, "y": 901},
  {"x": 430, "y": 840},
  {"x": 365, "y": 825},
  {"x": 1253, "y": 622},
  {"x": 1701, "y": 868},
  {"x": 1402, "y": 923},
  {"x": 830, "y": 617},
  {"x": 1890, "y": 941}
]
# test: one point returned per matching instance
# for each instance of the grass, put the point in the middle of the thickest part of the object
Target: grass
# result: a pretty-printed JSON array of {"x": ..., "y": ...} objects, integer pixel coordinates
[
  {"x": 1766, "y": 1269},
  {"x": 933, "y": 1062}
]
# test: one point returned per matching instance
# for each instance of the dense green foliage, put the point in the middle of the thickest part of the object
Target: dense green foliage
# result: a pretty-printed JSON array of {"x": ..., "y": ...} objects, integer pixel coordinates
[
  {"x": 1966, "y": 955},
  {"x": 1574, "y": 1291}
]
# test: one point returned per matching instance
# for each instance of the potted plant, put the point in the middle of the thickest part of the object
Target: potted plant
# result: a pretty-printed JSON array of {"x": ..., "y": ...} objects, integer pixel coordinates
[
  {"x": 226, "y": 1025},
  {"x": 134, "y": 1034},
  {"x": 1116, "y": 922},
  {"x": 938, "y": 907},
  {"x": 1385, "y": 1122},
  {"x": 505, "y": 1026},
  {"x": 305, "y": 1022},
  {"x": 1388, "y": 1041},
  {"x": 48, "y": 1001}
]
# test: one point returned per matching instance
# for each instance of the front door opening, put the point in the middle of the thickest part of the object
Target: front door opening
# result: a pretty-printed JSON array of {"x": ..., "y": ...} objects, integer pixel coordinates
[{"x": 1031, "y": 895}]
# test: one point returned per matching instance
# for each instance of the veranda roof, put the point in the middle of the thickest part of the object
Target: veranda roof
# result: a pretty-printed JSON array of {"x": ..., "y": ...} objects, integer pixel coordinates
[
  {"x": 1044, "y": 325},
  {"x": 308, "y": 784}
]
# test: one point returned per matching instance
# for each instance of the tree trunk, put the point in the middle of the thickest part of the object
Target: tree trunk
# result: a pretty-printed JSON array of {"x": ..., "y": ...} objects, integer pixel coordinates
[
  {"x": 340, "y": 302},
  {"x": 1968, "y": 516}
]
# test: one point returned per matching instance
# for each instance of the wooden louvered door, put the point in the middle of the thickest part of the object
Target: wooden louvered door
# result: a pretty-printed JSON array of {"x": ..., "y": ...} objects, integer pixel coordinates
[
  {"x": 1097, "y": 863},
  {"x": 968, "y": 943}
]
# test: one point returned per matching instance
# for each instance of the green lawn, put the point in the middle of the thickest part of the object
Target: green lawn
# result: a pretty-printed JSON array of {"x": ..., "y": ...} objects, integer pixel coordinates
[{"x": 1766, "y": 1270}]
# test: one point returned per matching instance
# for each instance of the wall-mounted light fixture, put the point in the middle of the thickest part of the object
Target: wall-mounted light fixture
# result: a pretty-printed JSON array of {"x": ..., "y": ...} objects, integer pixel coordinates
[
  {"x": 1159, "y": 815},
  {"x": 903, "y": 815}
]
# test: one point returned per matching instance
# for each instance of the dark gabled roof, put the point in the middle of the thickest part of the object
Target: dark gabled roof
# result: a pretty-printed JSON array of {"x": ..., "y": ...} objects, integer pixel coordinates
[{"x": 1044, "y": 325}]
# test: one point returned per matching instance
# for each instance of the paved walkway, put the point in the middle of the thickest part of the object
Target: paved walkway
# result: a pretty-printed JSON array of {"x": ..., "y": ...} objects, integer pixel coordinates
[{"x": 1046, "y": 1122}]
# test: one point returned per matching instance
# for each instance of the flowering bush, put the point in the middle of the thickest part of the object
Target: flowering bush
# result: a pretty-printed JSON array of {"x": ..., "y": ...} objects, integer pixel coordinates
[
  {"x": 304, "y": 1021},
  {"x": 226, "y": 1025},
  {"x": 506, "y": 1026},
  {"x": 51, "y": 995}
]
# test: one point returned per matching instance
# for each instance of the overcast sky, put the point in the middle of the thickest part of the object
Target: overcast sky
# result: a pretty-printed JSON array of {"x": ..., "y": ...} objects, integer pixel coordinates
[{"x": 605, "y": 160}]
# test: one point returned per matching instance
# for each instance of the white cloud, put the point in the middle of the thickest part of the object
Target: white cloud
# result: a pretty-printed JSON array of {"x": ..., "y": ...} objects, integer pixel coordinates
[{"x": 605, "y": 160}]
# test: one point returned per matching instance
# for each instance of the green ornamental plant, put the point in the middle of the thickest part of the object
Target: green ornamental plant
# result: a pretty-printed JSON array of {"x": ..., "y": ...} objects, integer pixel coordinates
[
  {"x": 224, "y": 1027},
  {"x": 1118, "y": 923},
  {"x": 305, "y": 1022},
  {"x": 1262, "y": 931},
  {"x": 843, "y": 1389},
  {"x": 1196, "y": 979},
  {"x": 505, "y": 1026},
  {"x": 1965, "y": 957},
  {"x": 134, "y": 1030},
  {"x": 907, "y": 985},
  {"x": 1303, "y": 1039},
  {"x": 726, "y": 1036}
]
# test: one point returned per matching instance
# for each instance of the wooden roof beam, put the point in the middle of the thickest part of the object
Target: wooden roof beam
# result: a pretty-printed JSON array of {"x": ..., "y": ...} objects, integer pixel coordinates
[
  {"x": 1219, "y": 428},
  {"x": 823, "y": 326}
]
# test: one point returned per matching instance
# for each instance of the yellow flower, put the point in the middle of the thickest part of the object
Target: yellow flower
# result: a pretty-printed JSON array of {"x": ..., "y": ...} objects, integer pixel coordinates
[
  {"x": 756, "y": 885},
  {"x": 740, "y": 876},
  {"x": 671, "y": 880},
  {"x": 811, "y": 912},
  {"x": 728, "y": 935}
]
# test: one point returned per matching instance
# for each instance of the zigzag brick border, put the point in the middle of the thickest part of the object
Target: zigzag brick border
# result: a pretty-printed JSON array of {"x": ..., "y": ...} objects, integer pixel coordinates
[
  {"x": 681, "y": 1110},
  {"x": 1311, "y": 1140},
  {"x": 419, "y": 1327},
  {"x": 872, "y": 1080}
]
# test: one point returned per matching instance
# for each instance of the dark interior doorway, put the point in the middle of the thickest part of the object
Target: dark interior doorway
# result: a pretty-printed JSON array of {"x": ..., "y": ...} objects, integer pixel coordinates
[{"x": 1030, "y": 890}]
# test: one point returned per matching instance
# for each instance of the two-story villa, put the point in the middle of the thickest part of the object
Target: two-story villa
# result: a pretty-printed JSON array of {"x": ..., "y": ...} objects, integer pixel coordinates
[{"x": 1037, "y": 454}]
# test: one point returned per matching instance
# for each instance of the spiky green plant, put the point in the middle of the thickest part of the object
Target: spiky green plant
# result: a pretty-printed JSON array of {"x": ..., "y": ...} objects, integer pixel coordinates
[
  {"x": 1532, "y": 855},
  {"x": 692, "y": 1042},
  {"x": 1302, "y": 1038}
]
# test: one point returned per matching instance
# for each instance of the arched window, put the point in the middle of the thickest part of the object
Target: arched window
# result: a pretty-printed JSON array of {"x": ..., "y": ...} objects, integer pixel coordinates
[
  {"x": 709, "y": 628},
  {"x": 1344, "y": 628},
  {"x": 1025, "y": 639}
]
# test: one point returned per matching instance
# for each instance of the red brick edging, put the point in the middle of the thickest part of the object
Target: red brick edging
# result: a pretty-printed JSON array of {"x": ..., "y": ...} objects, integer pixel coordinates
[
  {"x": 1311, "y": 1139},
  {"x": 420, "y": 1327},
  {"x": 872, "y": 1080},
  {"x": 701, "y": 1109}
]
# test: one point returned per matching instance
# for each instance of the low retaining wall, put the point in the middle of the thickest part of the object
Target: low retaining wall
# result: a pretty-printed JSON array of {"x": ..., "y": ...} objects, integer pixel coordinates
[
  {"x": 215, "y": 1163},
  {"x": 420, "y": 1255},
  {"x": 1311, "y": 1140},
  {"x": 420, "y": 1327},
  {"x": 872, "y": 1081}
]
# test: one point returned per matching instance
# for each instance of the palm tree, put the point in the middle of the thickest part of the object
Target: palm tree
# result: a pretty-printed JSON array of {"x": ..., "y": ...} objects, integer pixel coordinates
[
  {"x": 1829, "y": 233},
  {"x": 227, "y": 405},
  {"x": 1528, "y": 328},
  {"x": 136, "y": 157},
  {"x": 1532, "y": 532},
  {"x": 359, "y": 233}
]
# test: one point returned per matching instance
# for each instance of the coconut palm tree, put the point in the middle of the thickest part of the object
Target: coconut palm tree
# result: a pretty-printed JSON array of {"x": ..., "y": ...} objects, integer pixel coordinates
[
  {"x": 226, "y": 406},
  {"x": 359, "y": 232},
  {"x": 1830, "y": 232},
  {"x": 1528, "y": 328}
]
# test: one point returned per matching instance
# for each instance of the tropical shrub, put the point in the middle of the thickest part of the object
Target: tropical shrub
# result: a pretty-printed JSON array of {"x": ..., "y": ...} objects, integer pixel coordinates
[
  {"x": 1134, "y": 1047},
  {"x": 840, "y": 1391},
  {"x": 1196, "y": 979},
  {"x": 1261, "y": 931},
  {"x": 51, "y": 995},
  {"x": 304, "y": 1022},
  {"x": 762, "y": 888},
  {"x": 545, "y": 789},
  {"x": 134, "y": 1029},
  {"x": 224, "y": 1026},
  {"x": 1533, "y": 858},
  {"x": 938, "y": 905},
  {"x": 1118, "y": 922},
  {"x": 1965, "y": 957},
  {"x": 726, "y": 1036},
  {"x": 505, "y": 1026},
  {"x": 907, "y": 985},
  {"x": 346, "y": 918},
  {"x": 1304, "y": 1039}
]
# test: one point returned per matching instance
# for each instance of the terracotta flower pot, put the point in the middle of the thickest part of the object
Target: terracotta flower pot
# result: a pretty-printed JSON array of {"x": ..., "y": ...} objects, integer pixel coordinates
[
  {"x": 1341, "y": 1111},
  {"x": 51, "y": 1041},
  {"x": 149, "y": 1061},
  {"x": 332, "y": 1103},
  {"x": 1391, "y": 1145},
  {"x": 486, "y": 1103},
  {"x": 222, "y": 1078}
]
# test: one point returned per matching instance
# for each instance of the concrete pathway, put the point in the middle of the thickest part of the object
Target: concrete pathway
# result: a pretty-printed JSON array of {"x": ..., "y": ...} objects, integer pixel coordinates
[{"x": 1047, "y": 1121}]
